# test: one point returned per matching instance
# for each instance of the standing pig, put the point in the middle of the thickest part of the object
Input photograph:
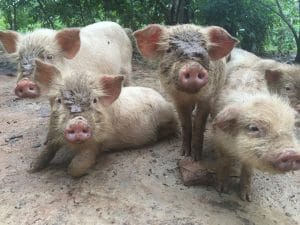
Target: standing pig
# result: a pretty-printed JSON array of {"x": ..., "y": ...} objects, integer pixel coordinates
[
  {"x": 102, "y": 47},
  {"x": 281, "y": 78},
  {"x": 191, "y": 71},
  {"x": 91, "y": 114},
  {"x": 254, "y": 127}
]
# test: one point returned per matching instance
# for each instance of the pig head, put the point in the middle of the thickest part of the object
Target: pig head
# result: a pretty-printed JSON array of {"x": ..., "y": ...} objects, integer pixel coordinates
[
  {"x": 47, "y": 45},
  {"x": 260, "y": 134},
  {"x": 184, "y": 52}
]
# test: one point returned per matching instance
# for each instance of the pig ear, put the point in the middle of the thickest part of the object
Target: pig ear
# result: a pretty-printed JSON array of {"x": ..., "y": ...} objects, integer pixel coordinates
[
  {"x": 45, "y": 73},
  {"x": 9, "y": 40},
  {"x": 220, "y": 42},
  {"x": 112, "y": 86},
  {"x": 226, "y": 120},
  {"x": 272, "y": 76},
  {"x": 69, "y": 41},
  {"x": 147, "y": 40}
]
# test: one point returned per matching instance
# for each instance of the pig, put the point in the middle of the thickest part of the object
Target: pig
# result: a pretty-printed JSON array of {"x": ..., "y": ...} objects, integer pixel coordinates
[
  {"x": 102, "y": 47},
  {"x": 191, "y": 70},
  {"x": 255, "y": 127},
  {"x": 281, "y": 78},
  {"x": 90, "y": 114}
]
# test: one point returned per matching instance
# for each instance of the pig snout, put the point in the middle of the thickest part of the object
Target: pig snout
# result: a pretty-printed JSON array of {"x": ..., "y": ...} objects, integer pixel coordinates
[
  {"x": 27, "y": 89},
  {"x": 286, "y": 161},
  {"x": 77, "y": 130},
  {"x": 192, "y": 78}
]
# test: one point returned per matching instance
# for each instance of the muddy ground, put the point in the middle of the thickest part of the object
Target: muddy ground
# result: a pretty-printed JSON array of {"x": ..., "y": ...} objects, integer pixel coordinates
[{"x": 141, "y": 186}]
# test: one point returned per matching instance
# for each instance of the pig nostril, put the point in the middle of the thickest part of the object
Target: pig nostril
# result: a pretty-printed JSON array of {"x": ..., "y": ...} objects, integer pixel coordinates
[
  {"x": 199, "y": 76},
  {"x": 71, "y": 132},
  {"x": 31, "y": 88},
  {"x": 187, "y": 76},
  {"x": 85, "y": 131}
]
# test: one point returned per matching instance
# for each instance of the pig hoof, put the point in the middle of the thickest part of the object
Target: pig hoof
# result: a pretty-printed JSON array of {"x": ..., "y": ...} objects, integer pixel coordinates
[
  {"x": 35, "y": 167},
  {"x": 185, "y": 151},
  {"x": 245, "y": 196},
  {"x": 222, "y": 187},
  {"x": 74, "y": 172},
  {"x": 196, "y": 155}
]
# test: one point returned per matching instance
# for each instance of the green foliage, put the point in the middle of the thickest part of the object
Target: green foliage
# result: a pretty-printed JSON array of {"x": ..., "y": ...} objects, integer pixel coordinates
[
  {"x": 255, "y": 23},
  {"x": 250, "y": 26}
]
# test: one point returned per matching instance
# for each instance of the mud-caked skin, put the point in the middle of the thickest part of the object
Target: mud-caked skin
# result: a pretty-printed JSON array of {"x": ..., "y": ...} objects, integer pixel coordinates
[
  {"x": 281, "y": 78},
  {"x": 255, "y": 127},
  {"x": 191, "y": 70},
  {"x": 89, "y": 115},
  {"x": 101, "y": 47}
]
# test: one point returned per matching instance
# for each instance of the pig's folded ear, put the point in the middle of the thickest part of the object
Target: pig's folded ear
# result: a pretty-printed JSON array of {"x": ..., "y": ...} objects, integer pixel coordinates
[
  {"x": 220, "y": 42},
  {"x": 69, "y": 40},
  {"x": 111, "y": 86},
  {"x": 45, "y": 73},
  {"x": 272, "y": 76},
  {"x": 9, "y": 40},
  {"x": 147, "y": 40},
  {"x": 226, "y": 120}
]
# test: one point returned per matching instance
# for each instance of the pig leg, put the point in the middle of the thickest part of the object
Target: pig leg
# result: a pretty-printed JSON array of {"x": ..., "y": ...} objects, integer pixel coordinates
[
  {"x": 81, "y": 162},
  {"x": 44, "y": 158},
  {"x": 185, "y": 117},
  {"x": 223, "y": 172},
  {"x": 245, "y": 183},
  {"x": 198, "y": 131}
]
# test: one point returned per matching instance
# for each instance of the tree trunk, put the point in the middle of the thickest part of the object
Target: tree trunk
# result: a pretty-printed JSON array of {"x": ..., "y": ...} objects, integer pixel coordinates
[
  {"x": 183, "y": 11},
  {"x": 297, "y": 59},
  {"x": 15, "y": 27}
]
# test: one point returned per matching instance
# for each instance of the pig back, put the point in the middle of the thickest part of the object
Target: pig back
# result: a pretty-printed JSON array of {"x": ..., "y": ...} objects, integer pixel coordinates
[
  {"x": 136, "y": 116},
  {"x": 105, "y": 48}
]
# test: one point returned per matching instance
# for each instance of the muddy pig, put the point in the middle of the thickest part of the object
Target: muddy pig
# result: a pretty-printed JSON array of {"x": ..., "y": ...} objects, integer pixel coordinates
[
  {"x": 191, "y": 70},
  {"x": 102, "y": 47},
  {"x": 281, "y": 78},
  {"x": 255, "y": 127},
  {"x": 91, "y": 114}
]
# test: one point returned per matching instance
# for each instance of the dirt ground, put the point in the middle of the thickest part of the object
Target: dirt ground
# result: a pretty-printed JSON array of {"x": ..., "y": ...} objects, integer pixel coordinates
[{"x": 132, "y": 187}]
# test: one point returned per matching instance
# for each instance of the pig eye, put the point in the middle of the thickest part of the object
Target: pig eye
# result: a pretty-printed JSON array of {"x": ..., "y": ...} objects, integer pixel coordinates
[
  {"x": 49, "y": 57},
  {"x": 168, "y": 50},
  {"x": 95, "y": 100},
  {"x": 288, "y": 88},
  {"x": 253, "y": 128}
]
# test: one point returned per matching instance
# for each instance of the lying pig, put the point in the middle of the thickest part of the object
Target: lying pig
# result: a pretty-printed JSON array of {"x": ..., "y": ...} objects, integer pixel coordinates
[
  {"x": 103, "y": 48},
  {"x": 191, "y": 70},
  {"x": 254, "y": 127},
  {"x": 281, "y": 78},
  {"x": 90, "y": 114}
]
